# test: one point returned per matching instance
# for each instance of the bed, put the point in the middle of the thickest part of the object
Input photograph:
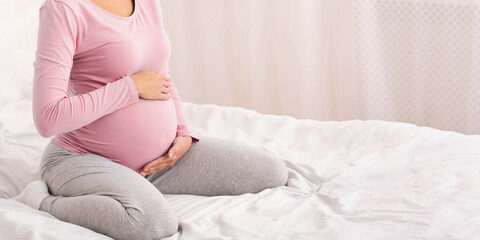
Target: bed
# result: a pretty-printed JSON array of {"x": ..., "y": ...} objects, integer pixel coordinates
[{"x": 352, "y": 179}]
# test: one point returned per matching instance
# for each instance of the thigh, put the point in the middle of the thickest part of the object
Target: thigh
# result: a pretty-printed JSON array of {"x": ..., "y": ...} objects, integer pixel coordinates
[
  {"x": 69, "y": 174},
  {"x": 94, "y": 192},
  {"x": 216, "y": 166}
]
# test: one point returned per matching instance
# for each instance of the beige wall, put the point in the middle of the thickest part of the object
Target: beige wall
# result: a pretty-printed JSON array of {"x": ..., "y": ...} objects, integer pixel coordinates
[{"x": 290, "y": 57}]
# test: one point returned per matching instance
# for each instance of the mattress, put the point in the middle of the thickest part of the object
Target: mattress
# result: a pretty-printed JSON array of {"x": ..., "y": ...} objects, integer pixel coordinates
[{"x": 353, "y": 179}]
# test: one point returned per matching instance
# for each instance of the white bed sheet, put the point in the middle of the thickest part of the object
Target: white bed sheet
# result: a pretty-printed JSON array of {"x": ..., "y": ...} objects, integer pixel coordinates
[{"x": 347, "y": 180}]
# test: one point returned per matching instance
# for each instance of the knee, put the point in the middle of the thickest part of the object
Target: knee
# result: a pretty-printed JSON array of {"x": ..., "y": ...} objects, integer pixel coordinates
[
  {"x": 162, "y": 225},
  {"x": 277, "y": 171},
  {"x": 166, "y": 225},
  {"x": 149, "y": 217},
  {"x": 274, "y": 172}
]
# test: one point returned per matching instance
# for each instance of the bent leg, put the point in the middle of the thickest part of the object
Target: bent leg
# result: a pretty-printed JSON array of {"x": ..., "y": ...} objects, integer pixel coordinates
[
  {"x": 94, "y": 192},
  {"x": 215, "y": 166}
]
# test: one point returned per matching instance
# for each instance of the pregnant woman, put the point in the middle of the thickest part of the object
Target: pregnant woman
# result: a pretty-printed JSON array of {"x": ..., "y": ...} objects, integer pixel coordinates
[{"x": 102, "y": 87}]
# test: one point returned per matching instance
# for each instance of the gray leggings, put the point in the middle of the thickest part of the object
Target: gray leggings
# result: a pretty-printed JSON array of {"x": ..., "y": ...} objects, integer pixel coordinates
[{"x": 91, "y": 191}]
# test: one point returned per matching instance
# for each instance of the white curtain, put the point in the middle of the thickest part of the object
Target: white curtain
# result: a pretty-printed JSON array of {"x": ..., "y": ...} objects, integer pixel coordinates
[
  {"x": 413, "y": 61},
  {"x": 419, "y": 62},
  {"x": 290, "y": 57}
]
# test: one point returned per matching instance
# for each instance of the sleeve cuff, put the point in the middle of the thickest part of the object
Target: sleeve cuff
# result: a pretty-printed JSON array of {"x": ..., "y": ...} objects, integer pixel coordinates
[
  {"x": 132, "y": 88},
  {"x": 183, "y": 130}
]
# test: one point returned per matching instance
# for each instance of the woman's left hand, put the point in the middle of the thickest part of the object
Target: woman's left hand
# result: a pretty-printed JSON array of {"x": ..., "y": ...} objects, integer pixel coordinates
[{"x": 179, "y": 148}]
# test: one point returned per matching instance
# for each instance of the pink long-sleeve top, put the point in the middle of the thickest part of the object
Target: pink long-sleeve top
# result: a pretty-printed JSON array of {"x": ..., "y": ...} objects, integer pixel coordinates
[{"x": 82, "y": 89}]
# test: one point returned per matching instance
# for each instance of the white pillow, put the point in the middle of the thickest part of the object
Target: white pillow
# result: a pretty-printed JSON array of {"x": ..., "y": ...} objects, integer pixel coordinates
[{"x": 21, "y": 147}]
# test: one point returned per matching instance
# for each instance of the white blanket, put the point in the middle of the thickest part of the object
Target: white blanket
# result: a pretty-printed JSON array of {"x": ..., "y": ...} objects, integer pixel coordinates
[{"x": 348, "y": 180}]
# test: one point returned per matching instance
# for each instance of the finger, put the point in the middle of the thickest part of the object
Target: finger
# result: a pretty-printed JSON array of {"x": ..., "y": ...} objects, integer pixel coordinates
[
  {"x": 155, "y": 162},
  {"x": 164, "y": 78},
  {"x": 161, "y": 75},
  {"x": 162, "y": 85},
  {"x": 165, "y": 90},
  {"x": 158, "y": 168},
  {"x": 172, "y": 153},
  {"x": 146, "y": 167},
  {"x": 155, "y": 168},
  {"x": 163, "y": 96}
]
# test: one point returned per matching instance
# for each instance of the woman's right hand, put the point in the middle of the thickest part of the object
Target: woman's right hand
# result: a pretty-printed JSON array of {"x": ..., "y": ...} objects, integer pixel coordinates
[{"x": 151, "y": 85}]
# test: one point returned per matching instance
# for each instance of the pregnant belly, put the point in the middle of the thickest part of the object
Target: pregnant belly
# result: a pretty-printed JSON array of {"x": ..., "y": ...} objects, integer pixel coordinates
[{"x": 135, "y": 135}]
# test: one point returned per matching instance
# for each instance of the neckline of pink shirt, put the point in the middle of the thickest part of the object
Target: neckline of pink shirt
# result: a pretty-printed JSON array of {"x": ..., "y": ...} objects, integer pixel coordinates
[{"x": 135, "y": 10}]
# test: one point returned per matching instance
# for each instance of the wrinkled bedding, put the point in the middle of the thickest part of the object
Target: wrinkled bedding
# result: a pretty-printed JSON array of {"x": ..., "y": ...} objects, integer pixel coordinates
[{"x": 347, "y": 180}]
